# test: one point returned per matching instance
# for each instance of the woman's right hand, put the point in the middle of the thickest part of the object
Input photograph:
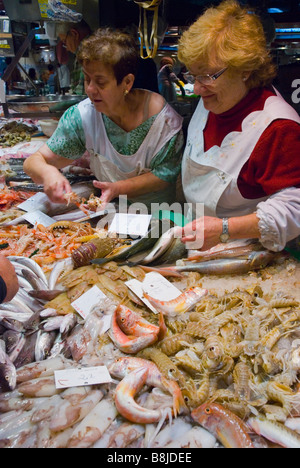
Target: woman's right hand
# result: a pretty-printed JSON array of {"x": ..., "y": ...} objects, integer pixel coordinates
[{"x": 56, "y": 185}]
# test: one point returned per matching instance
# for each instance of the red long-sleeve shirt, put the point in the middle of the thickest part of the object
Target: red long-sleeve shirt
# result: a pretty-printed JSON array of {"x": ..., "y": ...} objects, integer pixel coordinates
[{"x": 275, "y": 161}]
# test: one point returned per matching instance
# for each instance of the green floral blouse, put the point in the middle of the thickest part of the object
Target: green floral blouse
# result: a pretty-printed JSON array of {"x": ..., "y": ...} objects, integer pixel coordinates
[{"x": 68, "y": 141}]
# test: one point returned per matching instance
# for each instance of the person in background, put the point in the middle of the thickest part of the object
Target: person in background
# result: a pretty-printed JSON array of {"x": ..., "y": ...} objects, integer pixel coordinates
[
  {"x": 51, "y": 82},
  {"x": 133, "y": 136},
  {"x": 9, "y": 285},
  {"x": 71, "y": 35},
  {"x": 167, "y": 79},
  {"x": 32, "y": 74},
  {"x": 64, "y": 78},
  {"x": 241, "y": 160}
]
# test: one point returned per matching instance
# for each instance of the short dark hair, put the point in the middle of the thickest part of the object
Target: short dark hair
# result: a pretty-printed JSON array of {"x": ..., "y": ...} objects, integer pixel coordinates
[{"x": 114, "y": 48}]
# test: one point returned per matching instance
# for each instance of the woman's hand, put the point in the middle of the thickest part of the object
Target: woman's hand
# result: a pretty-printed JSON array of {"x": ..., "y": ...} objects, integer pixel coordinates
[
  {"x": 202, "y": 233},
  {"x": 56, "y": 185},
  {"x": 109, "y": 191}
]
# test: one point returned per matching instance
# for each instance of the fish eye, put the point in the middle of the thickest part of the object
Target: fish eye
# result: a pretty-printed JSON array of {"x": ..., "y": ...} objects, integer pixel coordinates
[{"x": 207, "y": 410}]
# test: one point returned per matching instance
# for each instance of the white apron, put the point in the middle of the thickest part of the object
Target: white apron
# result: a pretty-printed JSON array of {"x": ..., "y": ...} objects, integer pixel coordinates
[
  {"x": 110, "y": 166},
  {"x": 210, "y": 178}
]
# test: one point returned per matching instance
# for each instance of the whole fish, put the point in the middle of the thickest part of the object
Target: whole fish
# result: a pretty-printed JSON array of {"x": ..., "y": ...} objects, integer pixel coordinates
[
  {"x": 43, "y": 345},
  {"x": 8, "y": 374},
  {"x": 228, "y": 428},
  {"x": 230, "y": 266},
  {"x": 125, "y": 365},
  {"x": 132, "y": 323},
  {"x": 125, "y": 392},
  {"x": 28, "y": 262},
  {"x": 181, "y": 304},
  {"x": 232, "y": 249},
  {"x": 130, "y": 344},
  {"x": 27, "y": 354},
  {"x": 34, "y": 280},
  {"x": 275, "y": 432},
  {"x": 159, "y": 247},
  {"x": 45, "y": 295}
]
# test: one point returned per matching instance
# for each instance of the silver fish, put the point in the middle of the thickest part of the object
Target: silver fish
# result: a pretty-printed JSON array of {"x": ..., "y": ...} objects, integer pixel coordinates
[
  {"x": 45, "y": 295},
  {"x": 160, "y": 247},
  {"x": 36, "y": 282},
  {"x": 231, "y": 266},
  {"x": 11, "y": 338},
  {"x": 27, "y": 354},
  {"x": 44, "y": 343},
  {"x": 23, "y": 283},
  {"x": 28, "y": 262},
  {"x": 8, "y": 374}
]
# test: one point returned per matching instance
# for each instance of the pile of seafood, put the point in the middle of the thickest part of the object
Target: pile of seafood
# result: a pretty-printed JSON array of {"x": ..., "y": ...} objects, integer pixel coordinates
[
  {"x": 15, "y": 132},
  {"x": 9, "y": 198},
  {"x": 61, "y": 239},
  {"x": 206, "y": 370}
]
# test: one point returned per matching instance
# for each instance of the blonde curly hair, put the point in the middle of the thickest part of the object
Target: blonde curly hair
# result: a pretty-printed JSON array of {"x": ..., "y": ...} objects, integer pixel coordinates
[{"x": 229, "y": 35}]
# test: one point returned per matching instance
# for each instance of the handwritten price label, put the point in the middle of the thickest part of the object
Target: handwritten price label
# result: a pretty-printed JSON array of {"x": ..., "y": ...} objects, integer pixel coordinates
[{"x": 80, "y": 377}]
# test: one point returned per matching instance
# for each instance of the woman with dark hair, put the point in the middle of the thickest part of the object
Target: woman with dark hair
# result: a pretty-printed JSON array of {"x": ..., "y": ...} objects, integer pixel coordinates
[{"x": 133, "y": 136}]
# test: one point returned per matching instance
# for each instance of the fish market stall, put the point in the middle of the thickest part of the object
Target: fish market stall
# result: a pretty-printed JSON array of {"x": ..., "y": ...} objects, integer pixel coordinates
[
  {"x": 133, "y": 341},
  {"x": 118, "y": 342}
]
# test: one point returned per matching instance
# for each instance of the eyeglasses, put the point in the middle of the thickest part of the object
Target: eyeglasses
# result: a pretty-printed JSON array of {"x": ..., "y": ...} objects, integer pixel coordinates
[{"x": 203, "y": 79}]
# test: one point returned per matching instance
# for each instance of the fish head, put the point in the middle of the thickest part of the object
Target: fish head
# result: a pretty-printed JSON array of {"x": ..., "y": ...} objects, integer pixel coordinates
[
  {"x": 126, "y": 318},
  {"x": 208, "y": 415},
  {"x": 120, "y": 367}
]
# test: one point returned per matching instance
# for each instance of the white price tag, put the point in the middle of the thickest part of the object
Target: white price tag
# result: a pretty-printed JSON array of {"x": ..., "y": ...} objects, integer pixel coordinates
[
  {"x": 156, "y": 286},
  {"x": 130, "y": 224},
  {"x": 79, "y": 377},
  {"x": 38, "y": 217},
  {"x": 84, "y": 304}
]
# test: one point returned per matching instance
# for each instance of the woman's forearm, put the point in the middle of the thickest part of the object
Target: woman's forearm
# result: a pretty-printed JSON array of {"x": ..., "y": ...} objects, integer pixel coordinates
[
  {"x": 37, "y": 168},
  {"x": 244, "y": 227},
  {"x": 141, "y": 185}
]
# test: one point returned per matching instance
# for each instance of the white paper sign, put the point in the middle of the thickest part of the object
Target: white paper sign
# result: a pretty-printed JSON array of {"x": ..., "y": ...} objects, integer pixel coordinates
[
  {"x": 83, "y": 376},
  {"x": 85, "y": 303},
  {"x": 156, "y": 286},
  {"x": 130, "y": 224},
  {"x": 38, "y": 217}
]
